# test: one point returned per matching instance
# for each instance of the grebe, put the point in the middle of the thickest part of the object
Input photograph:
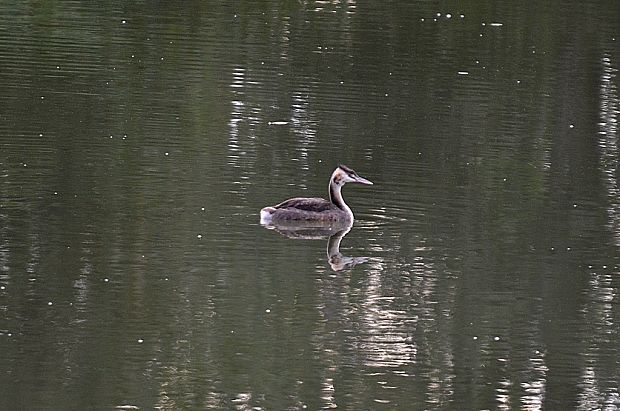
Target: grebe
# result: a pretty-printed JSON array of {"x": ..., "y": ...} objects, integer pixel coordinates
[{"x": 317, "y": 209}]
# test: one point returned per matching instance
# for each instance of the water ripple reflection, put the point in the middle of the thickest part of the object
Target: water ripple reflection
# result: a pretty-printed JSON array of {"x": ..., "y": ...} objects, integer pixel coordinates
[
  {"x": 608, "y": 141},
  {"x": 386, "y": 341}
]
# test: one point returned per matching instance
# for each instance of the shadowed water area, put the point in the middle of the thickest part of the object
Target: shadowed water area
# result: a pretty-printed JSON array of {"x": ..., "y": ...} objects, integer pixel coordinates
[{"x": 138, "y": 142}]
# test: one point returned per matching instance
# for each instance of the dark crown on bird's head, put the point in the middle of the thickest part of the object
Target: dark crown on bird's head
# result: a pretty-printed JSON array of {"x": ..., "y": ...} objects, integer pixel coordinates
[{"x": 347, "y": 169}]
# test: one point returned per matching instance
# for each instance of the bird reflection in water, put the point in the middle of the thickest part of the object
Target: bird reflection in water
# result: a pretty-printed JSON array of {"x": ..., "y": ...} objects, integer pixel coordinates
[{"x": 334, "y": 232}]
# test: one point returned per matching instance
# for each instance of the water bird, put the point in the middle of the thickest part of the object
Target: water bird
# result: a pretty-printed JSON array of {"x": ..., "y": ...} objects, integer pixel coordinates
[{"x": 302, "y": 209}]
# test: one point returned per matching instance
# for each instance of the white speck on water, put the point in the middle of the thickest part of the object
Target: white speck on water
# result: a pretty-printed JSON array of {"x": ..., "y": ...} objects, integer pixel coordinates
[
  {"x": 422, "y": 19},
  {"x": 483, "y": 23},
  {"x": 572, "y": 126},
  {"x": 106, "y": 280},
  {"x": 496, "y": 24},
  {"x": 25, "y": 165},
  {"x": 58, "y": 67},
  {"x": 574, "y": 205},
  {"x": 2, "y": 287},
  {"x": 199, "y": 236},
  {"x": 202, "y": 209},
  {"x": 267, "y": 310},
  {"x": 462, "y": 73},
  {"x": 55, "y": 193},
  {"x": 50, "y": 303},
  {"x": 475, "y": 337},
  {"x": 111, "y": 136},
  {"x": 568, "y": 248},
  {"x": 605, "y": 267},
  {"x": 166, "y": 153},
  {"x": 448, "y": 16},
  {"x": 438, "y": 14},
  {"x": 462, "y": 16},
  {"x": 123, "y": 21},
  {"x": 42, "y": 97},
  {"x": 505, "y": 179},
  {"x": 140, "y": 340},
  {"x": 40, "y": 134},
  {"x": 496, "y": 338}
]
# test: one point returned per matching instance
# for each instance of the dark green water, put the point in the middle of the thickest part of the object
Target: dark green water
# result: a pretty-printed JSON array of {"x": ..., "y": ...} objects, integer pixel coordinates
[{"x": 138, "y": 142}]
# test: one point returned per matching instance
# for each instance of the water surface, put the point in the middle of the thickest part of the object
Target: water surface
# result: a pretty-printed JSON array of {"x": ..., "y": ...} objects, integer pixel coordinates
[{"x": 138, "y": 143}]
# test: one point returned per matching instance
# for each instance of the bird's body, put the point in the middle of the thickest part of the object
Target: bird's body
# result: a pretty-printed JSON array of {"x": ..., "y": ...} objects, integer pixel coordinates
[{"x": 313, "y": 209}]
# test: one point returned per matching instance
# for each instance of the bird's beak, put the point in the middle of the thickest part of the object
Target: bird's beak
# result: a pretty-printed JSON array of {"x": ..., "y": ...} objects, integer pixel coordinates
[{"x": 362, "y": 180}]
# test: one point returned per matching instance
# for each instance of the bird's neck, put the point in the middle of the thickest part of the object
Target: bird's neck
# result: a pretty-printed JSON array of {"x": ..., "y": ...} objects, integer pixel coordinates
[{"x": 335, "y": 196}]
